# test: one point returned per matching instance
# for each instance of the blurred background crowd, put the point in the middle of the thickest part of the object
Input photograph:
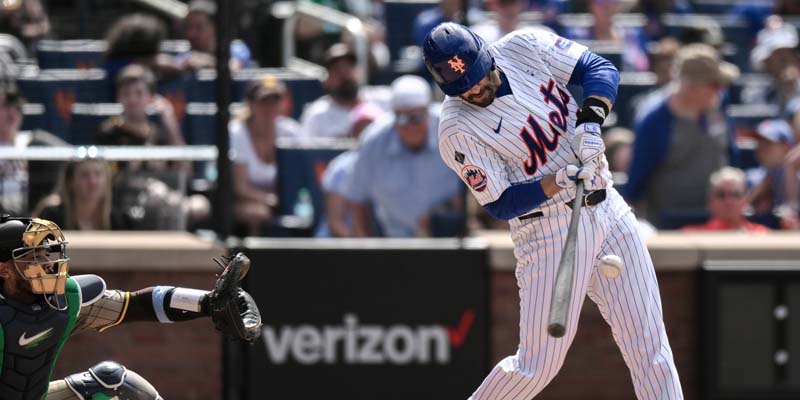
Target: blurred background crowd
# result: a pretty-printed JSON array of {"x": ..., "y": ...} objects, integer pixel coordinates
[{"x": 333, "y": 117}]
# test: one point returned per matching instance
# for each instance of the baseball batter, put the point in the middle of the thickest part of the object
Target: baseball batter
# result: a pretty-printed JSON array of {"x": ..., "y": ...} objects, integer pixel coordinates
[{"x": 518, "y": 139}]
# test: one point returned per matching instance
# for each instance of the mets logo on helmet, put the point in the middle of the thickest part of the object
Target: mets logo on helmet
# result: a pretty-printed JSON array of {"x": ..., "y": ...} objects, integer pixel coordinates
[
  {"x": 475, "y": 177},
  {"x": 457, "y": 65}
]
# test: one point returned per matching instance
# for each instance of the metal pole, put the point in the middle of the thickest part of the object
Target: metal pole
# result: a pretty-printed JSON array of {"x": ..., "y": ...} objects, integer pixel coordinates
[{"x": 223, "y": 200}]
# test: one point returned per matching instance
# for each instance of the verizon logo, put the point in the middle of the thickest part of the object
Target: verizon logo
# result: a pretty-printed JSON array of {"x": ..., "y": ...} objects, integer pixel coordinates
[{"x": 356, "y": 343}]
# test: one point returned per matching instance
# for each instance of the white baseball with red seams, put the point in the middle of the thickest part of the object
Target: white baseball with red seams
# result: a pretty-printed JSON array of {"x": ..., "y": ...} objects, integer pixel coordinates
[{"x": 524, "y": 136}]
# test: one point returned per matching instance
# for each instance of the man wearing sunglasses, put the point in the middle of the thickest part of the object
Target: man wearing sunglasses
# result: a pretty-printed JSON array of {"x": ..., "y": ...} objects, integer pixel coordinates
[
  {"x": 398, "y": 176},
  {"x": 727, "y": 201}
]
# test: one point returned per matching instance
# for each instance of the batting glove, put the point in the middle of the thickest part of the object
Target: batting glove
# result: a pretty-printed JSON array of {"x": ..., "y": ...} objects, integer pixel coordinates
[
  {"x": 587, "y": 142},
  {"x": 567, "y": 176}
]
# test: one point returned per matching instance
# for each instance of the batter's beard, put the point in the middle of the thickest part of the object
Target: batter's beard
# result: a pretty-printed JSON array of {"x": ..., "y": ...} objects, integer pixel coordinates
[
  {"x": 486, "y": 102},
  {"x": 490, "y": 92}
]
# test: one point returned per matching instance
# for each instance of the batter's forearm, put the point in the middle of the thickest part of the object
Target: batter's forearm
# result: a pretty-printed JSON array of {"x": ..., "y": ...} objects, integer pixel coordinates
[
  {"x": 549, "y": 186},
  {"x": 604, "y": 99}
]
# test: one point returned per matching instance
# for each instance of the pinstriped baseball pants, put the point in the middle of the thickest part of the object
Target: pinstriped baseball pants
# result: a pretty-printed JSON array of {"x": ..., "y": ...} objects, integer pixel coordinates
[{"x": 630, "y": 303}]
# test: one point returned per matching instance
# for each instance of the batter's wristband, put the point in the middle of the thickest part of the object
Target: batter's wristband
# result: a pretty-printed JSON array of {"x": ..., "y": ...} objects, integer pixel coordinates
[{"x": 592, "y": 110}]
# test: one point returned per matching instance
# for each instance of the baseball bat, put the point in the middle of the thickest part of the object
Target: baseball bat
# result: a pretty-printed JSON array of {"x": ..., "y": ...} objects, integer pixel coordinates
[{"x": 562, "y": 291}]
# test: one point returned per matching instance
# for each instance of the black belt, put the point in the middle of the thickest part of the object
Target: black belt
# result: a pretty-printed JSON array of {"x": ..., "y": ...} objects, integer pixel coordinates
[{"x": 591, "y": 199}]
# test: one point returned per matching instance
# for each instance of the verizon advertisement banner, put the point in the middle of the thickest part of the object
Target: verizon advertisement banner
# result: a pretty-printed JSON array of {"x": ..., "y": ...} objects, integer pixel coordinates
[{"x": 406, "y": 321}]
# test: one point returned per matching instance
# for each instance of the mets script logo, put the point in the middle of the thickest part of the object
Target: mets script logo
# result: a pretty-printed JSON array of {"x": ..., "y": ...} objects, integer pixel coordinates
[
  {"x": 457, "y": 65},
  {"x": 538, "y": 141},
  {"x": 475, "y": 177}
]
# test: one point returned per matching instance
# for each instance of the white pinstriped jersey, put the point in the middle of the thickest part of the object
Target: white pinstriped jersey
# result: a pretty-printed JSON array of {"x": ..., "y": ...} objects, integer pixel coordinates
[
  {"x": 525, "y": 136},
  {"x": 522, "y": 136}
]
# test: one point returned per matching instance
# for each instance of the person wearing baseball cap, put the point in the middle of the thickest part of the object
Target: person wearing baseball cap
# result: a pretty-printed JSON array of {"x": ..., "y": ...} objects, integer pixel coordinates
[
  {"x": 683, "y": 139},
  {"x": 776, "y": 192},
  {"x": 398, "y": 170},
  {"x": 775, "y": 53},
  {"x": 775, "y": 46},
  {"x": 253, "y": 135},
  {"x": 329, "y": 115}
]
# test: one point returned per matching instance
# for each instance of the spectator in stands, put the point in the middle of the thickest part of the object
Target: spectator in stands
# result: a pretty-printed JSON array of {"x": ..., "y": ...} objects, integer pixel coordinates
[
  {"x": 328, "y": 116},
  {"x": 776, "y": 193},
  {"x": 27, "y": 20},
  {"x": 662, "y": 57},
  {"x": 446, "y": 11},
  {"x": 252, "y": 140},
  {"x": 82, "y": 199},
  {"x": 633, "y": 40},
  {"x": 136, "y": 87},
  {"x": 507, "y": 13},
  {"x": 13, "y": 173},
  {"x": 398, "y": 172},
  {"x": 136, "y": 39},
  {"x": 199, "y": 28},
  {"x": 338, "y": 221},
  {"x": 619, "y": 149},
  {"x": 727, "y": 202},
  {"x": 141, "y": 189},
  {"x": 684, "y": 139},
  {"x": 775, "y": 53}
]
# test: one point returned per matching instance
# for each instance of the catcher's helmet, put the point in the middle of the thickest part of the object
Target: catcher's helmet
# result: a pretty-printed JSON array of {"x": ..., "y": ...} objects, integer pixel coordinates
[
  {"x": 456, "y": 57},
  {"x": 21, "y": 240}
]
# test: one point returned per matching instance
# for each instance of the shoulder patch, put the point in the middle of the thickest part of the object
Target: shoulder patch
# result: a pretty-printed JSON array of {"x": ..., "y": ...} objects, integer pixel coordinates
[
  {"x": 563, "y": 43},
  {"x": 92, "y": 288},
  {"x": 475, "y": 177}
]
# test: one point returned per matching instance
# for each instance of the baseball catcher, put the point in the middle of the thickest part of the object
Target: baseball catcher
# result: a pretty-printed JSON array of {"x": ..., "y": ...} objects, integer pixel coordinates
[{"x": 41, "y": 306}]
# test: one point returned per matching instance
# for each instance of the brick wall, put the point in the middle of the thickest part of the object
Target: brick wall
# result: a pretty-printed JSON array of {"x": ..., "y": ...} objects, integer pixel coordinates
[
  {"x": 182, "y": 360},
  {"x": 594, "y": 368}
]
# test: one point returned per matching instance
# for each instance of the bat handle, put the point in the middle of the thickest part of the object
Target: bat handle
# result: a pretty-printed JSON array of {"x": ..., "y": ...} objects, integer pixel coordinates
[{"x": 562, "y": 291}]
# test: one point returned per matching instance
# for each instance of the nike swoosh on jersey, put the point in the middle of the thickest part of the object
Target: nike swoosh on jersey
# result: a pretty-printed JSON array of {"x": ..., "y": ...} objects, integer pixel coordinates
[
  {"x": 24, "y": 341},
  {"x": 497, "y": 130}
]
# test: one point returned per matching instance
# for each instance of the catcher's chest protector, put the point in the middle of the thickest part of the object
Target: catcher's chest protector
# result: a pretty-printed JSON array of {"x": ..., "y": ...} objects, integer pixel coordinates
[{"x": 31, "y": 336}]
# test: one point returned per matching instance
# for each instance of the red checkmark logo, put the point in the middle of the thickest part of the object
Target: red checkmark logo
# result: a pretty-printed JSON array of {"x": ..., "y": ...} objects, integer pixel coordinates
[{"x": 459, "y": 334}]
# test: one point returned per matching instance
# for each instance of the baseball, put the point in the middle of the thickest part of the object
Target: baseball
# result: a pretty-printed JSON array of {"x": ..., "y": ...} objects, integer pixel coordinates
[{"x": 610, "y": 266}]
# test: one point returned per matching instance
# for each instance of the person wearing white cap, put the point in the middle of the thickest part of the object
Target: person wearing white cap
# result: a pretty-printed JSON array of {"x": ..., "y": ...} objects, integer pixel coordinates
[
  {"x": 775, "y": 53},
  {"x": 398, "y": 170}
]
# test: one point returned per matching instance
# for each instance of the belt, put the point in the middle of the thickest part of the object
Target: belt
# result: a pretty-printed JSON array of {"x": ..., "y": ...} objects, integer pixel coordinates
[{"x": 591, "y": 199}]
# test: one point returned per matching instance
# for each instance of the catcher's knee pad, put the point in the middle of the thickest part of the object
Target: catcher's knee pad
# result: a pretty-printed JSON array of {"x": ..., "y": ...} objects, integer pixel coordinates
[{"x": 108, "y": 379}]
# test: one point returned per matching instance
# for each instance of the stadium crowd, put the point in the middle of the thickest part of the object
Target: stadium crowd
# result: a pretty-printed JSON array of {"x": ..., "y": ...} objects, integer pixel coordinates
[{"x": 705, "y": 134}]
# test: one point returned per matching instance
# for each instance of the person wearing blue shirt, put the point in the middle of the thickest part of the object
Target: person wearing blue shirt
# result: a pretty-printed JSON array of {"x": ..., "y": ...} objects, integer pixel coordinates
[
  {"x": 398, "y": 175},
  {"x": 683, "y": 139}
]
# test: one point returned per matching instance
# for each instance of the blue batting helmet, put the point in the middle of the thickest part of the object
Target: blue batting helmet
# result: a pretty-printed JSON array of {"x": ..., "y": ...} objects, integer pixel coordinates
[{"x": 456, "y": 57}]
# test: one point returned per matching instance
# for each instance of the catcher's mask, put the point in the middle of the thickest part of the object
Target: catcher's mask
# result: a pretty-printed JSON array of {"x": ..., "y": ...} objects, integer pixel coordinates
[{"x": 38, "y": 249}]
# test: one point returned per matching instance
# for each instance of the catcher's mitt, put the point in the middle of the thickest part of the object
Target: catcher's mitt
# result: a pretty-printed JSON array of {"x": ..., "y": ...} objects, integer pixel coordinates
[{"x": 232, "y": 309}]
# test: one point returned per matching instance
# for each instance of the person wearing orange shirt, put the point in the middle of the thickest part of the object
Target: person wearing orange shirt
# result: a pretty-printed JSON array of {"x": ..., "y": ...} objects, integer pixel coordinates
[{"x": 726, "y": 204}]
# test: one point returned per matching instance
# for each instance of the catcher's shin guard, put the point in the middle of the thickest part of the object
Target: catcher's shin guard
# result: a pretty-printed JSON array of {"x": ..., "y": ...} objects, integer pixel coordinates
[{"x": 111, "y": 379}]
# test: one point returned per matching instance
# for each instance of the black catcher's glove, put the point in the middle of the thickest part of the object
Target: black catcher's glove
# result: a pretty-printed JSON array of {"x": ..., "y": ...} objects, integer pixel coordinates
[{"x": 232, "y": 309}]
